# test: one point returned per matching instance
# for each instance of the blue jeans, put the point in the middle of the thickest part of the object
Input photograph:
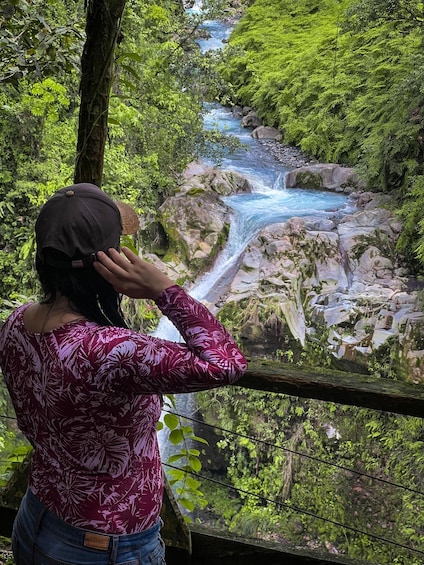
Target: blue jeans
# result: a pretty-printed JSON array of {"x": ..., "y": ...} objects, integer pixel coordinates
[{"x": 41, "y": 538}]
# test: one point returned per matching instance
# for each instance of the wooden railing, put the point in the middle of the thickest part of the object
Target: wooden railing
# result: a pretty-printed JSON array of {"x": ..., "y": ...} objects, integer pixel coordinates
[{"x": 354, "y": 389}]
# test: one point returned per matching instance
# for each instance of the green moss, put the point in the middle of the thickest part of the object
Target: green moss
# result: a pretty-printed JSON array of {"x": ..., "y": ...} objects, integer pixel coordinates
[
  {"x": 386, "y": 361},
  {"x": 196, "y": 191},
  {"x": 308, "y": 180}
]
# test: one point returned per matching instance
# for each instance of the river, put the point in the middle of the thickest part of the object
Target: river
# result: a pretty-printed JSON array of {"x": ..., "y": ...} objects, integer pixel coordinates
[{"x": 269, "y": 203}]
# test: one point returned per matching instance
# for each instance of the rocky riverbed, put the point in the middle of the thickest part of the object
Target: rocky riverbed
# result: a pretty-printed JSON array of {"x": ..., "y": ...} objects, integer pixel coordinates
[
  {"x": 288, "y": 155},
  {"x": 334, "y": 281}
]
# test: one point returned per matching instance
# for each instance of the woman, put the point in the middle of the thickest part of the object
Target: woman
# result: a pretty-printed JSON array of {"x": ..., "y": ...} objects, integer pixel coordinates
[{"x": 87, "y": 390}]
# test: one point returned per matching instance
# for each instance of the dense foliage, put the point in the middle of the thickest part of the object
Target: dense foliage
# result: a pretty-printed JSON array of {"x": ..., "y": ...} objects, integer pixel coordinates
[
  {"x": 155, "y": 129},
  {"x": 344, "y": 81},
  {"x": 319, "y": 475},
  {"x": 155, "y": 122}
]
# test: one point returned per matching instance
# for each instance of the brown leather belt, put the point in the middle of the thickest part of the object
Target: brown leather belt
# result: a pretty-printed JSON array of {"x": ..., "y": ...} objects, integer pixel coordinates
[{"x": 96, "y": 541}]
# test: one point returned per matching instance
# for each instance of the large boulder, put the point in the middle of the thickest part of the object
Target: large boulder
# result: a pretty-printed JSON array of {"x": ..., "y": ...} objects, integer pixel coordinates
[
  {"x": 199, "y": 178},
  {"x": 337, "y": 283},
  {"x": 196, "y": 220},
  {"x": 324, "y": 176},
  {"x": 196, "y": 226},
  {"x": 267, "y": 132},
  {"x": 251, "y": 120}
]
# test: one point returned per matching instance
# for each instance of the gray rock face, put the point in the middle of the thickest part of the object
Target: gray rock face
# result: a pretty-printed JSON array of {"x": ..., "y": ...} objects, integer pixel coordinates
[
  {"x": 338, "y": 280},
  {"x": 251, "y": 120},
  {"x": 195, "y": 220},
  {"x": 335, "y": 281},
  {"x": 195, "y": 223},
  {"x": 266, "y": 132}
]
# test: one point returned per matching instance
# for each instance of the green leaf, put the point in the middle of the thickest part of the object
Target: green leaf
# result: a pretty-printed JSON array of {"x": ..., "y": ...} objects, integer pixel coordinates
[
  {"x": 199, "y": 439},
  {"x": 134, "y": 56},
  {"x": 127, "y": 241},
  {"x": 128, "y": 84},
  {"x": 176, "y": 436},
  {"x": 176, "y": 457},
  {"x": 195, "y": 463},
  {"x": 132, "y": 71},
  {"x": 188, "y": 504},
  {"x": 177, "y": 475},
  {"x": 191, "y": 483},
  {"x": 171, "y": 421},
  {"x": 113, "y": 121}
]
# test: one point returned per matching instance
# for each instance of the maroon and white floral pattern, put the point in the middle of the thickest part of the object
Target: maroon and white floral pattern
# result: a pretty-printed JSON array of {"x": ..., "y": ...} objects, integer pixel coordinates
[{"x": 88, "y": 398}]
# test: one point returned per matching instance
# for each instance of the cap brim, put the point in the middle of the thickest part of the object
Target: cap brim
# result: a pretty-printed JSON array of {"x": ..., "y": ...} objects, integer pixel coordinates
[{"x": 129, "y": 217}]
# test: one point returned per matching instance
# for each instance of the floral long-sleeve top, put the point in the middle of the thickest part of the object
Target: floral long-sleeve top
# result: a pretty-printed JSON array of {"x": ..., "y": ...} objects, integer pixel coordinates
[{"x": 88, "y": 398}]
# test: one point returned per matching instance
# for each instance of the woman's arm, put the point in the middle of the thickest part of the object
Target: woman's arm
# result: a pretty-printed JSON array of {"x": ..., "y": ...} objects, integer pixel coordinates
[{"x": 209, "y": 358}]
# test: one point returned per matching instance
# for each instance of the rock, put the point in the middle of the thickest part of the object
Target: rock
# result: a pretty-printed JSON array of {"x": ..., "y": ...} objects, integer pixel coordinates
[
  {"x": 349, "y": 287},
  {"x": 319, "y": 224},
  {"x": 251, "y": 120},
  {"x": 200, "y": 178},
  {"x": 288, "y": 155},
  {"x": 266, "y": 132},
  {"x": 295, "y": 318},
  {"x": 237, "y": 111},
  {"x": 196, "y": 220},
  {"x": 380, "y": 337},
  {"x": 337, "y": 282},
  {"x": 324, "y": 176},
  {"x": 195, "y": 225}
]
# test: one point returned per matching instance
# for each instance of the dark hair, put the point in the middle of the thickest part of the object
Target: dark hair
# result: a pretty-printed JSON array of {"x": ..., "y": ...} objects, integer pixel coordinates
[{"x": 89, "y": 293}]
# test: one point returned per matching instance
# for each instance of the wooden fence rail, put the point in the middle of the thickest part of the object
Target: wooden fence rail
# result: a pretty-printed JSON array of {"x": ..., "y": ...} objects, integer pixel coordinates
[{"x": 336, "y": 386}]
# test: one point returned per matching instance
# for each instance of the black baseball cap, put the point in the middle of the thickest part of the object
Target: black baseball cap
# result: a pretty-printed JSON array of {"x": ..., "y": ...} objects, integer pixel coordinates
[{"x": 78, "y": 221}]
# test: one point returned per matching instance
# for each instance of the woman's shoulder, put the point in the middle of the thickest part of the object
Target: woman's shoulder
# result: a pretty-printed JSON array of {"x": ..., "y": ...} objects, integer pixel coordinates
[
  {"x": 11, "y": 327},
  {"x": 99, "y": 344}
]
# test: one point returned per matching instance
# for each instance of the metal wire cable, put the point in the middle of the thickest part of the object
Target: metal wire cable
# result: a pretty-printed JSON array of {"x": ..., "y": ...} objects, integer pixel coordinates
[
  {"x": 279, "y": 503},
  {"x": 312, "y": 457}
]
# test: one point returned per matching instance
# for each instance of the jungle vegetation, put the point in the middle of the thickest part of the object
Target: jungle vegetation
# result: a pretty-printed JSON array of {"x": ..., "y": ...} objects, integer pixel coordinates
[{"x": 342, "y": 79}]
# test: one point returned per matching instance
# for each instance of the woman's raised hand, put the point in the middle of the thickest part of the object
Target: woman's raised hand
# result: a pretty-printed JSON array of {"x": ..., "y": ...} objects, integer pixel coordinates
[{"x": 130, "y": 275}]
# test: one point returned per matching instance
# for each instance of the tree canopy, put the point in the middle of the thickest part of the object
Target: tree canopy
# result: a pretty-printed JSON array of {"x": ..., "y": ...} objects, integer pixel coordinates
[{"x": 121, "y": 108}]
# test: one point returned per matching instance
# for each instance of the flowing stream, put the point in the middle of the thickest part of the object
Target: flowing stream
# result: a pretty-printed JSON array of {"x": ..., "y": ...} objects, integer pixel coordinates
[{"x": 269, "y": 203}]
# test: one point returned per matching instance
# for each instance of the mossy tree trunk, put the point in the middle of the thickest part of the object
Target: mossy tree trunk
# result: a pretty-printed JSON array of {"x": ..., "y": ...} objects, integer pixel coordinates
[{"x": 103, "y": 27}]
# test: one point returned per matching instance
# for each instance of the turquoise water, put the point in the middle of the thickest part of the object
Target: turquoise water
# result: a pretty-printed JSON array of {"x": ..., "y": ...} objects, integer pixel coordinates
[{"x": 269, "y": 202}]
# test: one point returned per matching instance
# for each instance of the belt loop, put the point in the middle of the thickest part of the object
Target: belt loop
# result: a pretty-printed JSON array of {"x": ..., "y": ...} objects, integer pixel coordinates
[{"x": 114, "y": 550}]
